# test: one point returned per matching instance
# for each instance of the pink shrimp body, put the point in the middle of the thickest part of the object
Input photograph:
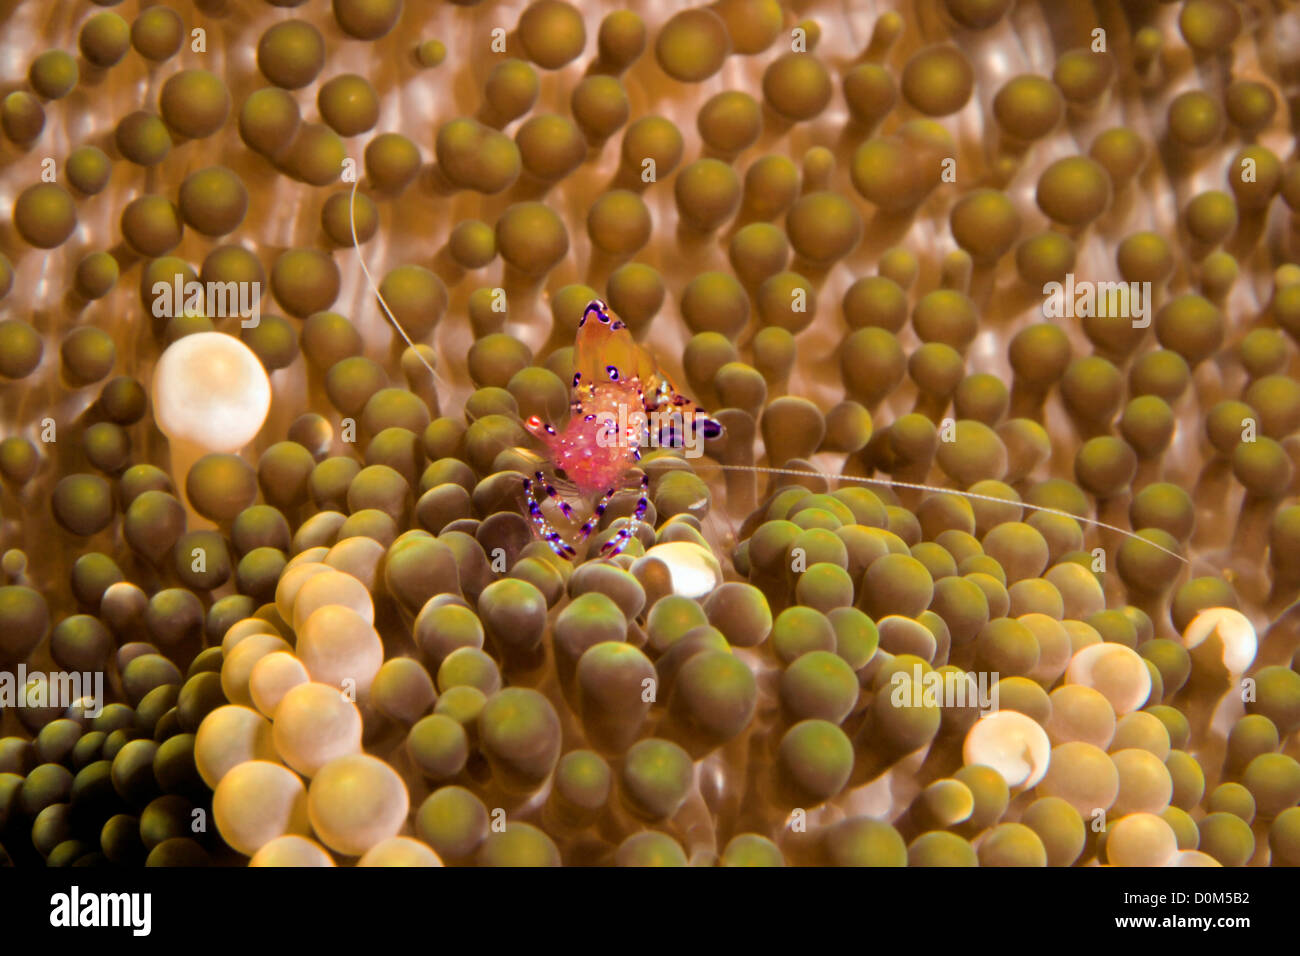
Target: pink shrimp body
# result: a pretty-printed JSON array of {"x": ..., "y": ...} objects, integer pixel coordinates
[{"x": 589, "y": 450}]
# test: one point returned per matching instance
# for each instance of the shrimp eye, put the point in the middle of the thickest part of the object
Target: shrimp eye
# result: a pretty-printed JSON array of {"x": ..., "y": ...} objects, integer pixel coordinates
[
  {"x": 550, "y": 429},
  {"x": 576, "y": 377},
  {"x": 613, "y": 372}
]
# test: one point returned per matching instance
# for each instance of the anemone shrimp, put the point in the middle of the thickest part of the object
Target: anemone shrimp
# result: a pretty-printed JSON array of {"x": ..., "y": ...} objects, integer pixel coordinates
[
  {"x": 620, "y": 402},
  {"x": 619, "y": 397}
]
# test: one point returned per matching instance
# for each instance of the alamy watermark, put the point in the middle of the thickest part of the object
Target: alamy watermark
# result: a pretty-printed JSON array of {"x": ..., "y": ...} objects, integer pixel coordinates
[
  {"x": 661, "y": 428},
  {"x": 64, "y": 689},
  {"x": 76, "y": 909},
  {"x": 215, "y": 300},
  {"x": 1104, "y": 300},
  {"x": 945, "y": 688}
]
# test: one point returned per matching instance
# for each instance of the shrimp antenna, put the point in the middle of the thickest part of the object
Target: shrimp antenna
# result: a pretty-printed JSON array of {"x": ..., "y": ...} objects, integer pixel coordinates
[
  {"x": 370, "y": 280},
  {"x": 758, "y": 469},
  {"x": 972, "y": 495}
]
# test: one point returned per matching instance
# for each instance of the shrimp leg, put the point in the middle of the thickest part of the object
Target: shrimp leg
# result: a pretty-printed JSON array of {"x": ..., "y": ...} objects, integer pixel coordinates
[
  {"x": 619, "y": 541},
  {"x": 533, "y": 489}
]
